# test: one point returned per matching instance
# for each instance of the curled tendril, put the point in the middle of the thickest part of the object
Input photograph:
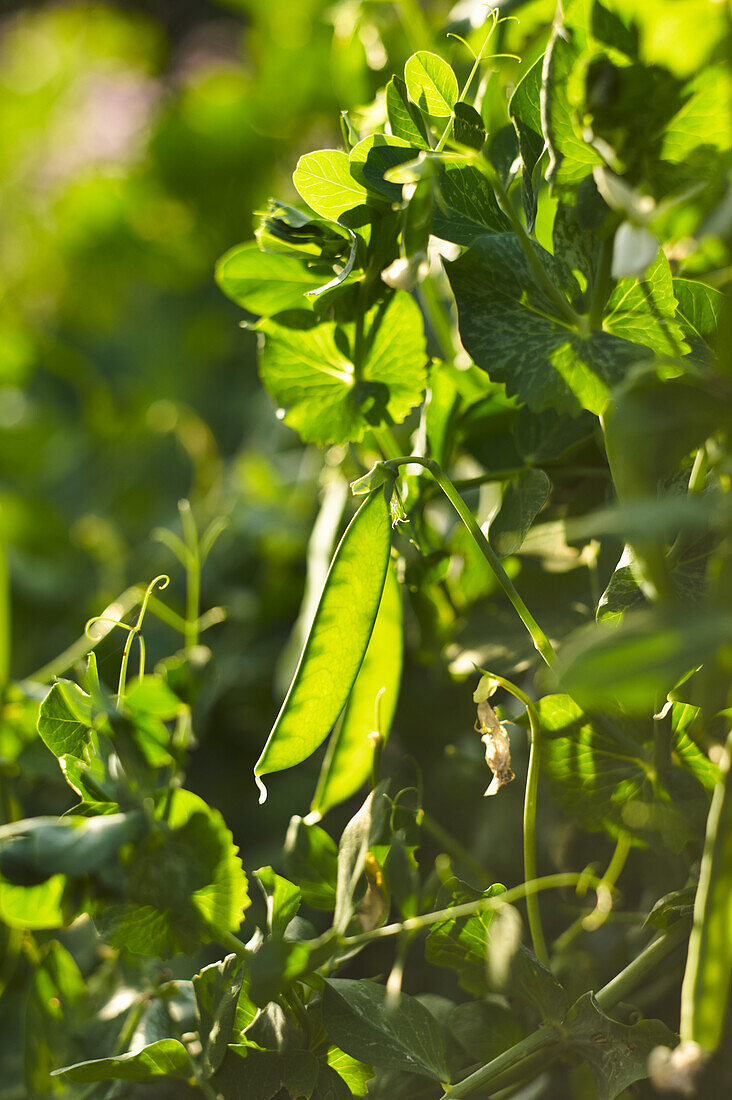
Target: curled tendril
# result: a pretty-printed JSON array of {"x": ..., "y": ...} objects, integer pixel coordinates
[
  {"x": 104, "y": 619},
  {"x": 133, "y": 631}
]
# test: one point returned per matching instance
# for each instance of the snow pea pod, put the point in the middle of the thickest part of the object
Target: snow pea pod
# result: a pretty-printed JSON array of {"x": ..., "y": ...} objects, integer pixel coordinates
[
  {"x": 706, "y": 989},
  {"x": 350, "y": 754},
  {"x": 337, "y": 642}
]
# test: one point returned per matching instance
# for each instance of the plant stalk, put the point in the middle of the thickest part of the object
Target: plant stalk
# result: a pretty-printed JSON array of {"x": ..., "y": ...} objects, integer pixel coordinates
[
  {"x": 544, "y": 1037},
  {"x": 541, "y": 643}
]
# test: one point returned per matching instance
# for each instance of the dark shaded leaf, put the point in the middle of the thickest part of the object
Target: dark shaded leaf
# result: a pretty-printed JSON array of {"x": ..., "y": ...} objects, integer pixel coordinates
[{"x": 360, "y": 1020}]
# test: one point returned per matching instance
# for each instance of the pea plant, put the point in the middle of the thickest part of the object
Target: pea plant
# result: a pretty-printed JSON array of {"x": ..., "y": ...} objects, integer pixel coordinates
[{"x": 498, "y": 308}]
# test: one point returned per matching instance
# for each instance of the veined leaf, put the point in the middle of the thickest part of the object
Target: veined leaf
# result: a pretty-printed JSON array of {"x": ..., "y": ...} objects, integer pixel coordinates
[
  {"x": 374, "y": 156},
  {"x": 523, "y": 499},
  {"x": 511, "y": 329},
  {"x": 361, "y": 832},
  {"x": 524, "y": 108},
  {"x": 618, "y": 1053},
  {"x": 64, "y": 721},
  {"x": 310, "y": 371},
  {"x": 354, "y": 1073},
  {"x": 466, "y": 206},
  {"x": 468, "y": 127},
  {"x": 644, "y": 311},
  {"x": 431, "y": 84},
  {"x": 570, "y": 157},
  {"x": 462, "y": 943},
  {"x": 324, "y": 180},
  {"x": 405, "y": 119},
  {"x": 283, "y": 900},
  {"x": 370, "y": 707},
  {"x": 266, "y": 282},
  {"x": 337, "y": 641},
  {"x": 217, "y": 988},
  {"x": 360, "y": 1020},
  {"x": 602, "y": 774},
  {"x": 699, "y": 308},
  {"x": 185, "y": 884},
  {"x": 311, "y": 861},
  {"x": 164, "y": 1058}
]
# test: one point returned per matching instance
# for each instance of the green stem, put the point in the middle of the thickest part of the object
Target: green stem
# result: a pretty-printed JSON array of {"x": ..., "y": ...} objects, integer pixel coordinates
[
  {"x": 538, "y": 637},
  {"x": 603, "y": 284},
  {"x": 467, "y": 909},
  {"x": 234, "y": 944},
  {"x": 193, "y": 573},
  {"x": 698, "y": 474},
  {"x": 544, "y": 1037},
  {"x": 531, "y": 798}
]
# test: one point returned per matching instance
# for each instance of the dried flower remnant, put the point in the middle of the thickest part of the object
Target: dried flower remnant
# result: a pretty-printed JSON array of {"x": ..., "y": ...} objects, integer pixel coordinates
[{"x": 497, "y": 747}]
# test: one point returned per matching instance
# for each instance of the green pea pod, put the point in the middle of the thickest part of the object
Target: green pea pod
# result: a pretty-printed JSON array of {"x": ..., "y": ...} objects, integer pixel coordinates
[
  {"x": 706, "y": 987},
  {"x": 370, "y": 707},
  {"x": 337, "y": 641}
]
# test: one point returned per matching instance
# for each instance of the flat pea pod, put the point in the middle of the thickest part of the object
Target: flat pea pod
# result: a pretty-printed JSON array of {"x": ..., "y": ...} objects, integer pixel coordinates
[
  {"x": 706, "y": 987},
  {"x": 370, "y": 708},
  {"x": 337, "y": 642}
]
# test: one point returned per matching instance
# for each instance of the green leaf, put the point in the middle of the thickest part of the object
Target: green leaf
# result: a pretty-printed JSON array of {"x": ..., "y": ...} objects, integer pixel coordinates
[
  {"x": 511, "y": 330},
  {"x": 540, "y": 436},
  {"x": 64, "y": 721},
  {"x": 265, "y": 282},
  {"x": 311, "y": 860},
  {"x": 484, "y": 1028},
  {"x": 431, "y": 84},
  {"x": 33, "y": 850},
  {"x": 360, "y": 1019},
  {"x": 55, "y": 1003},
  {"x": 706, "y": 989},
  {"x": 361, "y": 832},
  {"x": 468, "y": 127},
  {"x": 462, "y": 943},
  {"x": 337, "y": 641},
  {"x": 604, "y": 782},
  {"x": 466, "y": 206},
  {"x": 374, "y": 156},
  {"x": 283, "y": 900},
  {"x": 260, "y": 1075},
  {"x": 370, "y": 706},
  {"x": 644, "y": 311},
  {"x": 524, "y": 109},
  {"x": 217, "y": 988},
  {"x": 33, "y": 907},
  {"x": 325, "y": 182},
  {"x": 523, "y": 499},
  {"x": 592, "y": 778},
  {"x": 636, "y": 664},
  {"x": 151, "y": 697},
  {"x": 185, "y": 884},
  {"x": 570, "y": 157},
  {"x": 699, "y": 308},
  {"x": 165, "y": 1058},
  {"x": 310, "y": 371},
  {"x": 355, "y": 1074},
  {"x": 405, "y": 120},
  {"x": 618, "y": 1053}
]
